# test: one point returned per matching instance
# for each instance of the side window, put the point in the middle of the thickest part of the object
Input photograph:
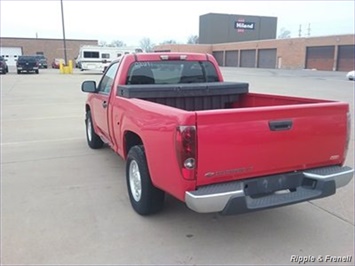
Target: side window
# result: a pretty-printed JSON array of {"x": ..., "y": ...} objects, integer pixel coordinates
[
  {"x": 91, "y": 54},
  {"x": 107, "y": 80},
  {"x": 105, "y": 55}
]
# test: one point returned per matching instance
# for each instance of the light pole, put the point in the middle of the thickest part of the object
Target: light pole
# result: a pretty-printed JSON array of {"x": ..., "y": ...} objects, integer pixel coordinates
[{"x": 64, "y": 41}]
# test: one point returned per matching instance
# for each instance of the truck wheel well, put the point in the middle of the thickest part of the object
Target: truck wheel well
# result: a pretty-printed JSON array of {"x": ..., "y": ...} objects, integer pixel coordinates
[{"x": 131, "y": 139}]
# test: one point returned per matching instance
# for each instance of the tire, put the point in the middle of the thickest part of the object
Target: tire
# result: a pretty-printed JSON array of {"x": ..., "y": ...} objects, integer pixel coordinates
[
  {"x": 18, "y": 72},
  {"x": 145, "y": 198},
  {"x": 37, "y": 71},
  {"x": 94, "y": 141}
]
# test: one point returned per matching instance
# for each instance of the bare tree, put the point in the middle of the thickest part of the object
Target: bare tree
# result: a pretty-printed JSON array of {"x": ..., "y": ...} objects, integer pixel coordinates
[
  {"x": 146, "y": 44},
  {"x": 169, "y": 42},
  {"x": 117, "y": 43},
  {"x": 284, "y": 33},
  {"x": 193, "y": 39},
  {"x": 102, "y": 43}
]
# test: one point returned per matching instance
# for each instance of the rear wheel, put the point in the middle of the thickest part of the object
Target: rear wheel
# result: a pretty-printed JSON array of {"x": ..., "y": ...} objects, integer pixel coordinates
[
  {"x": 18, "y": 72},
  {"x": 145, "y": 198},
  {"x": 94, "y": 141},
  {"x": 37, "y": 71}
]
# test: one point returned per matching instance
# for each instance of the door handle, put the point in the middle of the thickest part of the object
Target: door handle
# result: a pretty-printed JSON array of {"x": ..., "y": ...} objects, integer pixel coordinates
[
  {"x": 104, "y": 104},
  {"x": 280, "y": 125}
]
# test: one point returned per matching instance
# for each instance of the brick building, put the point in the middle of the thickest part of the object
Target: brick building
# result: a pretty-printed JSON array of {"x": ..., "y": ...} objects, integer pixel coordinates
[
  {"x": 11, "y": 48},
  {"x": 332, "y": 53}
]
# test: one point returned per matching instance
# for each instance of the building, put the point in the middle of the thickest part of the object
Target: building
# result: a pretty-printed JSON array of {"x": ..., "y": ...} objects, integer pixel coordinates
[
  {"x": 224, "y": 28},
  {"x": 11, "y": 48},
  {"x": 331, "y": 53}
]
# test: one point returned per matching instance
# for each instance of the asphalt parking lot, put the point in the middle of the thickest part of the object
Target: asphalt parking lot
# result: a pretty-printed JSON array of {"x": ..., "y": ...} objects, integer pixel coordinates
[{"x": 63, "y": 203}]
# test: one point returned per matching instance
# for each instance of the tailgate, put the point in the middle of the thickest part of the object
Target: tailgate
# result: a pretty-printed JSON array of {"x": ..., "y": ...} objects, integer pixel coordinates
[{"x": 249, "y": 142}]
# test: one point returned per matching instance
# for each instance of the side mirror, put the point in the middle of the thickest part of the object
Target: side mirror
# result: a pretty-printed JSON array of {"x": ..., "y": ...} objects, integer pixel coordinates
[{"x": 88, "y": 86}]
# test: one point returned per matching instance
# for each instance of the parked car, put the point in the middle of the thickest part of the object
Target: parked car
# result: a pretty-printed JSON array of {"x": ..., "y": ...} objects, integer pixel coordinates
[
  {"x": 350, "y": 75},
  {"x": 3, "y": 66},
  {"x": 27, "y": 63},
  {"x": 56, "y": 62},
  {"x": 42, "y": 60}
]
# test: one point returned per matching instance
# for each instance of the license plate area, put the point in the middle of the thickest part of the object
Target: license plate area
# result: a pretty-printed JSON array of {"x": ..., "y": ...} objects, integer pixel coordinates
[{"x": 263, "y": 186}]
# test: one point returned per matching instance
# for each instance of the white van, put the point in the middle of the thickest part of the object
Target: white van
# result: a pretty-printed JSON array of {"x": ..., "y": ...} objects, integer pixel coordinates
[{"x": 99, "y": 57}]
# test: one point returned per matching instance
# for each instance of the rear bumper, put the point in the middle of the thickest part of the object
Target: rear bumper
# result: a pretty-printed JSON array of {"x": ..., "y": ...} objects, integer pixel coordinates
[{"x": 268, "y": 192}]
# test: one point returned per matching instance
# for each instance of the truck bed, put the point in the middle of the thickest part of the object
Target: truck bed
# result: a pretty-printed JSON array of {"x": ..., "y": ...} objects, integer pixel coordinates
[
  {"x": 207, "y": 96},
  {"x": 253, "y": 134}
]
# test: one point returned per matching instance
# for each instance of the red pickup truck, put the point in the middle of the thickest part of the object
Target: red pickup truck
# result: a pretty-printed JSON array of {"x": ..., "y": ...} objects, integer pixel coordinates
[{"x": 212, "y": 144}]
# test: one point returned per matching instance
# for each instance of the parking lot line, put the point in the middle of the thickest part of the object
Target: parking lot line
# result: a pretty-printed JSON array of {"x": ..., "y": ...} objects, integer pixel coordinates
[
  {"x": 41, "y": 118},
  {"x": 39, "y": 141}
]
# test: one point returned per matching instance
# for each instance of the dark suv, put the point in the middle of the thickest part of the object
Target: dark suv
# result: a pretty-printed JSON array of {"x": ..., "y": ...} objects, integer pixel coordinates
[
  {"x": 3, "y": 66},
  {"x": 28, "y": 63},
  {"x": 42, "y": 61}
]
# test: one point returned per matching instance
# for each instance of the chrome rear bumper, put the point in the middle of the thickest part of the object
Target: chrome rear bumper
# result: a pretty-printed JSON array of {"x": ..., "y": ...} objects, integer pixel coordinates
[{"x": 268, "y": 192}]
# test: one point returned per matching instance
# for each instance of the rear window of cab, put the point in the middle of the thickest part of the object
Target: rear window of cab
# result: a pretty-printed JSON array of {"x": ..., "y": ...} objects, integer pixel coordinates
[{"x": 171, "y": 72}]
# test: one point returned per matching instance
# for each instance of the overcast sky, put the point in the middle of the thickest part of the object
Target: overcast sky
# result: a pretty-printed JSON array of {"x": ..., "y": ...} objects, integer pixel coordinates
[{"x": 130, "y": 21}]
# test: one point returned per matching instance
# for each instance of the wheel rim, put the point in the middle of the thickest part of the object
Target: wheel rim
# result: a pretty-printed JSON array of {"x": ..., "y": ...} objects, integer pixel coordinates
[
  {"x": 135, "y": 183},
  {"x": 88, "y": 129}
]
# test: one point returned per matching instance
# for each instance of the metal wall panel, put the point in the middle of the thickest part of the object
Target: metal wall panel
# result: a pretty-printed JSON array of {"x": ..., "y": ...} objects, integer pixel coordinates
[
  {"x": 346, "y": 58},
  {"x": 320, "y": 57},
  {"x": 11, "y": 54},
  {"x": 232, "y": 58},
  {"x": 247, "y": 58},
  {"x": 218, "y": 55},
  {"x": 267, "y": 58},
  {"x": 224, "y": 28}
]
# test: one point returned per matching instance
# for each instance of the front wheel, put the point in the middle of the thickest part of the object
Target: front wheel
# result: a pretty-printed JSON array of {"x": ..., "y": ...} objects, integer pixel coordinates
[
  {"x": 145, "y": 198},
  {"x": 94, "y": 141}
]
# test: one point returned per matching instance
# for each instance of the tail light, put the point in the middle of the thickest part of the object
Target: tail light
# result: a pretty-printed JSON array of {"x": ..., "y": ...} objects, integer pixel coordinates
[
  {"x": 348, "y": 133},
  {"x": 186, "y": 151}
]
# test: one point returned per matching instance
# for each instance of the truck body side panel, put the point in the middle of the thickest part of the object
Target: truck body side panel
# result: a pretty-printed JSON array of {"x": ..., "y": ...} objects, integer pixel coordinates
[{"x": 156, "y": 125}]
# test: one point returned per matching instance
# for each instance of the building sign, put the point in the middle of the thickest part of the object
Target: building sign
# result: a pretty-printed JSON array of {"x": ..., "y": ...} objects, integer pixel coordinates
[{"x": 241, "y": 25}]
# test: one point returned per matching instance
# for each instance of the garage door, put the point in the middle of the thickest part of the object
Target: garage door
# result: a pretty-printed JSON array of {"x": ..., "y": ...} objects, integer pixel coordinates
[
  {"x": 11, "y": 54},
  {"x": 267, "y": 58},
  {"x": 247, "y": 58},
  {"x": 320, "y": 57},
  {"x": 232, "y": 58},
  {"x": 346, "y": 58},
  {"x": 218, "y": 55}
]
